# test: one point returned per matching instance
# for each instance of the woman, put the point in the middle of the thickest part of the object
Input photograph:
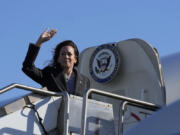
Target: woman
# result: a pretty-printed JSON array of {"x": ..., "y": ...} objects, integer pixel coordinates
[{"x": 62, "y": 73}]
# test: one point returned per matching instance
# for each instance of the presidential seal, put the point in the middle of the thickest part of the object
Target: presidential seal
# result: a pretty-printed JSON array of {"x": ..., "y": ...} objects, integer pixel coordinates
[{"x": 104, "y": 63}]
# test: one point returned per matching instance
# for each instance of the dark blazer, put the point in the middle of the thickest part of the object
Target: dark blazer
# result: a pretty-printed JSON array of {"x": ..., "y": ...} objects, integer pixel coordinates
[{"x": 51, "y": 77}]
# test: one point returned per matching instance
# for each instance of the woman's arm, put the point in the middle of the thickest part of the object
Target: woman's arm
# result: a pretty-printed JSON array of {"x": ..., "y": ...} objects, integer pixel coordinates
[{"x": 28, "y": 65}]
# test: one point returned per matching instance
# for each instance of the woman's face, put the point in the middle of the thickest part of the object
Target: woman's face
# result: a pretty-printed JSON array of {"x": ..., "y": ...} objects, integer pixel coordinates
[{"x": 67, "y": 57}]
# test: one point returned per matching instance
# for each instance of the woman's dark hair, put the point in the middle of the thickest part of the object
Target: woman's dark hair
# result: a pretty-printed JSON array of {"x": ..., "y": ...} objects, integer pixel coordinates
[{"x": 57, "y": 52}]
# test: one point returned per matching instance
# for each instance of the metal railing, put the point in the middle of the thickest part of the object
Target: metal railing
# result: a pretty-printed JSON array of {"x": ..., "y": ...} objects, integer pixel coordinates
[
  {"x": 111, "y": 95},
  {"x": 64, "y": 94},
  {"x": 122, "y": 112}
]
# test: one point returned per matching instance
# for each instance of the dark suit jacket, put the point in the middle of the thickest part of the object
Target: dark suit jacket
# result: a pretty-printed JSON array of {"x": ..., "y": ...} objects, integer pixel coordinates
[{"x": 51, "y": 77}]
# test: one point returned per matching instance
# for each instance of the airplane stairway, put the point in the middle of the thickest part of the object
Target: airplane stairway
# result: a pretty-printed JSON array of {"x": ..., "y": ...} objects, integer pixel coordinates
[{"x": 81, "y": 115}]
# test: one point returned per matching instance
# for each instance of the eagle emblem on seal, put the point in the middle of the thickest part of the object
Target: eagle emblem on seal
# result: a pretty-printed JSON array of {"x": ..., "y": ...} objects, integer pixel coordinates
[{"x": 103, "y": 64}]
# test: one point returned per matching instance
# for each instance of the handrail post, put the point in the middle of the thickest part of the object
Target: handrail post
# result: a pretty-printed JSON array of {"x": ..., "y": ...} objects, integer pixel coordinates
[
  {"x": 66, "y": 113},
  {"x": 121, "y": 117},
  {"x": 84, "y": 111}
]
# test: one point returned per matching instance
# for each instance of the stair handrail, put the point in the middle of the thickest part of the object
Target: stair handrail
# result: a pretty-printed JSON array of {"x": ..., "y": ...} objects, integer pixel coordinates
[
  {"x": 112, "y": 95},
  {"x": 64, "y": 94}
]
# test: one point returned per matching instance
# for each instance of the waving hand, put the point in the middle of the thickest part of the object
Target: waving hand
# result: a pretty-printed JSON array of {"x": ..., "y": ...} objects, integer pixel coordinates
[{"x": 45, "y": 36}]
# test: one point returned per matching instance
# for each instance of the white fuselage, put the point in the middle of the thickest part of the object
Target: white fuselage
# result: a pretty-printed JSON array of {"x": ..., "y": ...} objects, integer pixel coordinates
[{"x": 171, "y": 71}]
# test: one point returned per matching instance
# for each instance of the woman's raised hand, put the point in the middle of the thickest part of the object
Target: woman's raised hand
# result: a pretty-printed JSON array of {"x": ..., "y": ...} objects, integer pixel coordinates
[{"x": 45, "y": 36}]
